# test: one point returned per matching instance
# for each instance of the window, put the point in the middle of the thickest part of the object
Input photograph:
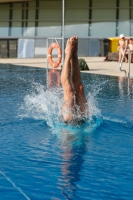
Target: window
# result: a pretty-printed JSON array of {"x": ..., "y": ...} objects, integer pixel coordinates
[
  {"x": 4, "y": 20},
  {"x": 77, "y": 18}
]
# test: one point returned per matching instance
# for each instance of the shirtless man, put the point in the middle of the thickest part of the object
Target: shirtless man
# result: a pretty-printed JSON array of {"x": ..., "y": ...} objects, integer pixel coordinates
[
  {"x": 75, "y": 105},
  {"x": 121, "y": 46}
]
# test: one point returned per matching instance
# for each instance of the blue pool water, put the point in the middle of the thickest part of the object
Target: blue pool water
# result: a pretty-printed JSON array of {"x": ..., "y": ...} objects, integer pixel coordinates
[{"x": 42, "y": 159}]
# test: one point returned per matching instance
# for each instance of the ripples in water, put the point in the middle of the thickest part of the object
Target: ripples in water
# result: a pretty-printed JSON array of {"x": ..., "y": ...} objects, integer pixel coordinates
[{"x": 41, "y": 158}]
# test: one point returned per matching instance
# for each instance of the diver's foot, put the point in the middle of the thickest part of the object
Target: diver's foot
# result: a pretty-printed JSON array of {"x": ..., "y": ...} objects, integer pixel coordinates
[
  {"x": 70, "y": 45},
  {"x": 75, "y": 52}
]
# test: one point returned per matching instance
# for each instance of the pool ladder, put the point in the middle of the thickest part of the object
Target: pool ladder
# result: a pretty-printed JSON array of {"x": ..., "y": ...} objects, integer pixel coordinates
[{"x": 126, "y": 48}]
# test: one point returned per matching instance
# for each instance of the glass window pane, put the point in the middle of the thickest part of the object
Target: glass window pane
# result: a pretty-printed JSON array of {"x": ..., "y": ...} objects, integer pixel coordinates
[
  {"x": 17, "y": 11},
  {"x": 16, "y": 29},
  {"x": 50, "y": 4},
  {"x": 104, "y": 14},
  {"x": 30, "y": 30},
  {"x": 4, "y": 13},
  {"x": 50, "y": 14},
  {"x": 74, "y": 28},
  {"x": 131, "y": 27},
  {"x": 124, "y": 27},
  {"x": 124, "y": 14},
  {"x": 49, "y": 29},
  {"x": 104, "y": 3},
  {"x": 4, "y": 6},
  {"x": 31, "y": 10},
  {"x": 77, "y": 14},
  {"x": 4, "y": 29},
  {"x": 103, "y": 29},
  {"x": 123, "y": 3},
  {"x": 17, "y": 14},
  {"x": 77, "y": 4},
  {"x": 31, "y": 14},
  {"x": 32, "y": 4},
  {"x": 4, "y": 20}
]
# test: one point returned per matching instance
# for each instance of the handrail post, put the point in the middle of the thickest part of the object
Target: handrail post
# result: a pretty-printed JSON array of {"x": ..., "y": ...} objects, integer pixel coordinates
[
  {"x": 129, "y": 62},
  {"x": 129, "y": 68},
  {"x": 63, "y": 16},
  {"x": 122, "y": 61}
]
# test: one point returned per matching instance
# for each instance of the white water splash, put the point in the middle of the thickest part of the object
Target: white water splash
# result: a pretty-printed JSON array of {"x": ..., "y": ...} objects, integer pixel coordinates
[{"x": 46, "y": 104}]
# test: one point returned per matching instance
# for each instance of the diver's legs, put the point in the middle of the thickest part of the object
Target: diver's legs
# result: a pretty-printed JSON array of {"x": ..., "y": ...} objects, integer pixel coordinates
[
  {"x": 68, "y": 104},
  {"x": 76, "y": 79}
]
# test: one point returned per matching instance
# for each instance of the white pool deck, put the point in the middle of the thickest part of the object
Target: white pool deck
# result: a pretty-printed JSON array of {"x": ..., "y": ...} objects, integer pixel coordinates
[{"x": 97, "y": 65}]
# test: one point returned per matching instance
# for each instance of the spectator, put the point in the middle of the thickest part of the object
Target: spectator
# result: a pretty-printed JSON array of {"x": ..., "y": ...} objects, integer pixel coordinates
[
  {"x": 131, "y": 48},
  {"x": 121, "y": 46}
]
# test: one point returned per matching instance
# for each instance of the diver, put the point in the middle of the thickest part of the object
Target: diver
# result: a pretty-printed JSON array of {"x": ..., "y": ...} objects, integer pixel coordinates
[{"x": 74, "y": 108}]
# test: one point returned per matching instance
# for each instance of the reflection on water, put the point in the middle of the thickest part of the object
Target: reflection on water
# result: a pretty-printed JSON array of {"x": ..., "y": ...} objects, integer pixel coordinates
[
  {"x": 53, "y": 78},
  {"x": 125, "y": 86},
  {"x": 73, "y": 147}
]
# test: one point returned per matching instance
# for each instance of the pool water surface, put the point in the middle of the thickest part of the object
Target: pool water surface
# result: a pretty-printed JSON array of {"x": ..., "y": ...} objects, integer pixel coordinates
[{"x": 42, "y": 158}]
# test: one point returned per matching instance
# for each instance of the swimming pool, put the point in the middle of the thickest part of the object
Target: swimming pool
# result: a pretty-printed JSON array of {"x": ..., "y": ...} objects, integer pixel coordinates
[{"x": 41, "y": 158}]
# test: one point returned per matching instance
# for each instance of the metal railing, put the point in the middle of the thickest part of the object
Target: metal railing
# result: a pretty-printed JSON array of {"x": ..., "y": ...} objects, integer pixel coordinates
[{"x": 126, "y": 48}]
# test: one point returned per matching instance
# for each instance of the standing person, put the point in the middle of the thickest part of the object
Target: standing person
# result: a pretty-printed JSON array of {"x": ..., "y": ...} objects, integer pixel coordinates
[
  {"x": 131, "y": 49},
  {"x": 121, "y": 46},
  {"x": 75, "y": 105}
]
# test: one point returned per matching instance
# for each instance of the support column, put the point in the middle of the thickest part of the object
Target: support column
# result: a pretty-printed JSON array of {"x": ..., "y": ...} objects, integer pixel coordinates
[
  {"x": 117, "y": 16},
  {"x": 130, "y": 15},
  {"x": 63, "y": 28},
  {"x": 10, "y": 19},
  {"x": 90, "y": 17},
  {"x": 37, "y": 16}
]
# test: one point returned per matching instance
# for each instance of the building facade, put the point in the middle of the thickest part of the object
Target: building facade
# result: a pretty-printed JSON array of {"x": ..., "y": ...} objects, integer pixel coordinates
[{"x": 40, "y": 19}]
